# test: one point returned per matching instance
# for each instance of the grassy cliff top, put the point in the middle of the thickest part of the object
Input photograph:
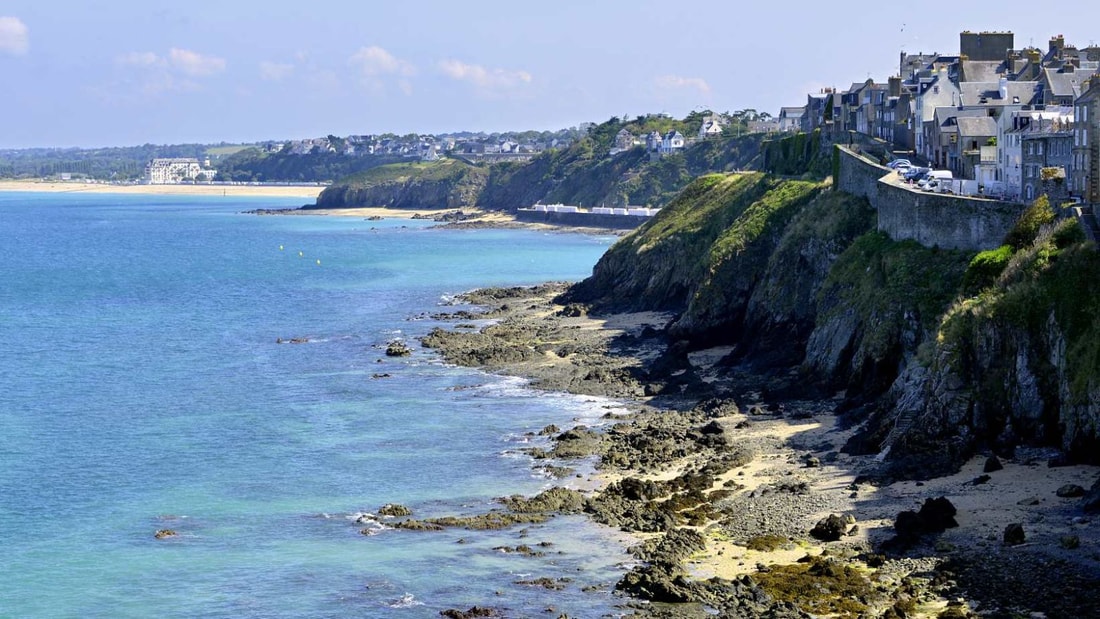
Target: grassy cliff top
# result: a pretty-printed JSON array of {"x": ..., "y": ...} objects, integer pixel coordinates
[{"x": 442, "y": 170}]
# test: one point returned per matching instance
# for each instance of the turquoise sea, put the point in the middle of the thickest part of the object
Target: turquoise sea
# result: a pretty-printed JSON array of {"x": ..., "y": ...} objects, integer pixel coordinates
[{"x": 142, "y": 388}]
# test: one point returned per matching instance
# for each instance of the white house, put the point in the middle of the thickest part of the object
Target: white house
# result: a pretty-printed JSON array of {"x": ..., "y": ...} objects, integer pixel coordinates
[
  {"x": 712, "y": 127},
  {"x": 673, "y": 141}
]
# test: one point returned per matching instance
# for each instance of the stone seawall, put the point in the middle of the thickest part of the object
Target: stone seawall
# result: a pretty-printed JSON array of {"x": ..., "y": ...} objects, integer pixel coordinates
[
  {"x": 584, "y": 220},
  {"x": 931, "y": 219}
]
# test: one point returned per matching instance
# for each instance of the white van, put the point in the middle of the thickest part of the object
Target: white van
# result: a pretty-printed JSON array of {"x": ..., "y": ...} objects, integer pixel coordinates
[{"x": 935, "y": 175}]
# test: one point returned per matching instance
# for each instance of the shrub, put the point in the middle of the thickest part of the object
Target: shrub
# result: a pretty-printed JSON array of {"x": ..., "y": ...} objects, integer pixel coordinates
[
  {"x": 1027, "y": 228},
  {"x": 985, "y": 268}
]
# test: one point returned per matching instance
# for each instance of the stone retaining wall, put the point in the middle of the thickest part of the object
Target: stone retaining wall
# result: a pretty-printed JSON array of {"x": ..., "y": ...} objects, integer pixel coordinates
[{"x": 931, "y": 219}]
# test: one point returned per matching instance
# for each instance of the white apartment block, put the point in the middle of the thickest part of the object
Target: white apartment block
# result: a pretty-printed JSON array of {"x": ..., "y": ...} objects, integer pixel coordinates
[{"x": 175, "y": 170}]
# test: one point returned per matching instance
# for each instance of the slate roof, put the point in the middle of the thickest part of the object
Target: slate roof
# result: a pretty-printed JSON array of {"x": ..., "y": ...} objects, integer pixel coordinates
[
  {"x": 982, "y": 70},
  {"x": 972, "y": 93},
  {"x": 1066, "y": 84},
  {"x": 981, "y": 126}
]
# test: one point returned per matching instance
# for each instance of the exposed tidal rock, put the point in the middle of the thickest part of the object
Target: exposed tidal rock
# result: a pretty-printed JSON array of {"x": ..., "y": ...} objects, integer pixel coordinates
[
  {"x": 553, "y": 500},
  {"x": 474, "y": 612},
  {"x": 394, "y": 510},
  {"x": 397, "y": 348},
  {"x": 832, "y": 527}
]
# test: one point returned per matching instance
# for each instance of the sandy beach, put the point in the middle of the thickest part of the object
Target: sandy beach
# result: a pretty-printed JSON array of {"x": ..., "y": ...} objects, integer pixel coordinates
[{"x": 272, "y": 191}]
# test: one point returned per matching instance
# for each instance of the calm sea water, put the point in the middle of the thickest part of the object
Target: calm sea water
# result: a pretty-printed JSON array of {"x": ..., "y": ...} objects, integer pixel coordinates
[{"x": 142, "y": 388}]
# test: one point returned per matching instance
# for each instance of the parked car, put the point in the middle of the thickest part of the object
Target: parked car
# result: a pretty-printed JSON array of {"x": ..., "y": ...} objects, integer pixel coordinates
[
  {"x": 893, "y": 165},
  {"x": 915, "y": 174}
]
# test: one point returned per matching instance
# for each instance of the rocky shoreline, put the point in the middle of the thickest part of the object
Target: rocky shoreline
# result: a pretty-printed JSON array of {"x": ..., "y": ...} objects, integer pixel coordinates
[{"x": 745, "y": 503}]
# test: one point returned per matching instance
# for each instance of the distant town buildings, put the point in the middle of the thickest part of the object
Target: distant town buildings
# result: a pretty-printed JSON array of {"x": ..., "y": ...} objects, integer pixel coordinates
[{"x": 170, "y": 171}]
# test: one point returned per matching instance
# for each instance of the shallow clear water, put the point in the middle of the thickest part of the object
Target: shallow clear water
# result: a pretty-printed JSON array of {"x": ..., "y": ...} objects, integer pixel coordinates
[{"x": 142, "y": 388}]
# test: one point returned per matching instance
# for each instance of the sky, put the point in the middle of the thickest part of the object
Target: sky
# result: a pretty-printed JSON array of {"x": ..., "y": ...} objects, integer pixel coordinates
[{"x": 96, "y": 73}]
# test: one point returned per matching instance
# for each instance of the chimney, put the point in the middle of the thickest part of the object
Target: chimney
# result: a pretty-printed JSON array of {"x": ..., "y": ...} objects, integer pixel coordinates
[
  {"x": 1057, "y": 44},
  {"x": 1068, "y": 68},
  {"x": 895, "y": 86}
]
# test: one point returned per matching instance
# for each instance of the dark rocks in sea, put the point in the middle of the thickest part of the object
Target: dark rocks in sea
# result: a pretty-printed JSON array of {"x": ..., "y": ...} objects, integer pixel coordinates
[
  {"x": 473, "y": 613},
  {"x": 1014, "y": 534},
  {"x": 397, "y": 348},
  {"x": 165, "y": 534},
  {"x": 394, "y": 510},
  {"x": 553, "y": 500}
]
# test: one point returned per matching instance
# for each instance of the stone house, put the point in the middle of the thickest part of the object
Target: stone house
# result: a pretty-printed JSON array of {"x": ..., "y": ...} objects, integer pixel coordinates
[
  {"x": 624, "y": 141},
  {"x": 1085, "y": 178},
  {"x": 653, "y": 141},
  {"x": 1047, "y": 155}
]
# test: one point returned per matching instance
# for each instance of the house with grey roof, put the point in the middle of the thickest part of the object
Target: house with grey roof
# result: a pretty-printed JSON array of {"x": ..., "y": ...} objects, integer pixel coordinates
[
  {"x": 1062, "y": 85},
  {"x": 1047, "y": 158},
  {"x": 790, "y": 118},
  {"x": 673, "y": 141},
  {"x": 624, "y": 141},
  {"x": 653, "y": 141},
  {"x": 976, "y": 148}
]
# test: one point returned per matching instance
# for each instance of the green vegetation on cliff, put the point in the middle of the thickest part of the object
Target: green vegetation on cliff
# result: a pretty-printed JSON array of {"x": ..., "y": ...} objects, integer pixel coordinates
[
  {"x": 255, "y": 165},
  {"x": 890, "y": 283},
  {"x": 1051, "y": 283},
  {"x": 739, "y": 257},
  {"x": 448, "y": 183}
]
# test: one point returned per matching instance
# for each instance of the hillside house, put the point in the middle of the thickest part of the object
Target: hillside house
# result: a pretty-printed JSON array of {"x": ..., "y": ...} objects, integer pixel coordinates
[
  {"x": 653, "y": 141},
  {"x": 712, "y": 127},
  {"x": 672, "y": 142},
  {"x": 624, "y": 141}
]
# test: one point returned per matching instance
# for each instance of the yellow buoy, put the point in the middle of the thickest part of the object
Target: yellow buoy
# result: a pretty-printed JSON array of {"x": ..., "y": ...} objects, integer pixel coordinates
[
  {"x": 318, "y": 263},
  {"x": 300, "y": 254},
  {"x": 280, "y": 248}
]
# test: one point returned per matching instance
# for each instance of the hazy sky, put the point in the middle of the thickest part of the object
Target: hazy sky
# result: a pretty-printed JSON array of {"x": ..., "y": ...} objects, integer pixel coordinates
[{"x": 122, "y": 72}]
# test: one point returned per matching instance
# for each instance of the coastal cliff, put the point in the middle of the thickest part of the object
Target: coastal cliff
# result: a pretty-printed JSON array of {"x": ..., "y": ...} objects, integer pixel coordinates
[
  {"x": 439, "y": 185},
  {"x": 935, "y": 353}
]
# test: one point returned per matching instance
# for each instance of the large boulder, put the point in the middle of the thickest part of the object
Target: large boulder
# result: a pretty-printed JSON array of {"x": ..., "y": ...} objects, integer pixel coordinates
[
  {"x": 1091, "y": 502},
  {"x": 1014, "y": 534},
  {"x": 832, "y": 527}
]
